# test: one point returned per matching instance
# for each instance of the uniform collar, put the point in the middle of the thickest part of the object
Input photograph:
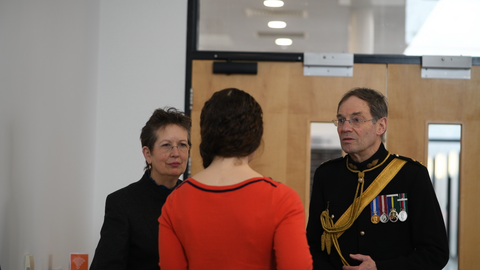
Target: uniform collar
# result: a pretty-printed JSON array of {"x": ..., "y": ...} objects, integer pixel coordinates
[{"x": 374, "y": 160}]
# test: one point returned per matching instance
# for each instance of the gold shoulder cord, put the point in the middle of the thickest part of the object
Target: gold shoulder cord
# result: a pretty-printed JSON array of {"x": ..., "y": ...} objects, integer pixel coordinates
[{"x": 333, "y": 231}]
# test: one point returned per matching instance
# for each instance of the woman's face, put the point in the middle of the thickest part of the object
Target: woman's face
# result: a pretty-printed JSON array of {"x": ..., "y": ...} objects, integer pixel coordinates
[{"x": 169, "y": 155}]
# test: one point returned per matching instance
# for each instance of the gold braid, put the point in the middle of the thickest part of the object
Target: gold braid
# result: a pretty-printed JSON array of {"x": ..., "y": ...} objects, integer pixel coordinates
[{"x": 329, "y": 235}]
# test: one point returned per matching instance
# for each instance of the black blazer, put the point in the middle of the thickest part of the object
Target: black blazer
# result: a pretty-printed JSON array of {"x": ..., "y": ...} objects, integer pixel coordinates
[{"x": 129, "y": 235}]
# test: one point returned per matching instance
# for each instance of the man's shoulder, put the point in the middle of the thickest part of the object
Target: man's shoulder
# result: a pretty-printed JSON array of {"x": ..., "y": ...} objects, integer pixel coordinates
[
  {"x": 333, "y": 162},
  {"x": 409, "y": 160}
]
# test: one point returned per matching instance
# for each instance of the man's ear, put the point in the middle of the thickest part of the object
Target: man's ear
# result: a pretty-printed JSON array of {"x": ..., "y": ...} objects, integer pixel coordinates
[{"x": 381, "y": 125}]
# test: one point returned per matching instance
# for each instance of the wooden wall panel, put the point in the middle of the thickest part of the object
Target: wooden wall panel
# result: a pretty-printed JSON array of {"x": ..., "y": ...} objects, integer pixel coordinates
[
  {"x": 416, "y": 102},
  {"x": 290, "y": 102}
]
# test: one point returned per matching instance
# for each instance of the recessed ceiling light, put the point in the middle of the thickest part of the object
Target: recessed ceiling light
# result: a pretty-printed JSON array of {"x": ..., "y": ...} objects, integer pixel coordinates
[
  {"x": 277, "y": 24},
  {"x": 273, "y": 3},
  {"x": 283, "y": 41}
]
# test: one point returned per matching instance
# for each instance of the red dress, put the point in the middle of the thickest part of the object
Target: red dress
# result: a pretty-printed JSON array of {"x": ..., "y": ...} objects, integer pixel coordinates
[{"x": 255, "y": 224}]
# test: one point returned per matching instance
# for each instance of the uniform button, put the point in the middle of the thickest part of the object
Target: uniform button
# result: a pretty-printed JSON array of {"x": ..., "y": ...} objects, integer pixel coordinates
[{"x": 362, "y": 233}]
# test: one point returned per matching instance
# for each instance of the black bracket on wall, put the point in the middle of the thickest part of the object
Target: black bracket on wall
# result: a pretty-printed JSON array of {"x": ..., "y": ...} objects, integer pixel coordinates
[{"x": 235, "y": 68}]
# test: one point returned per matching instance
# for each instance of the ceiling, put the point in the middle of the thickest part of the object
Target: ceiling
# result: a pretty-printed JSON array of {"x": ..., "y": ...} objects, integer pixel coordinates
[
  {"x": 411, "y": 27},
  {"x": 330, "y": 26}
]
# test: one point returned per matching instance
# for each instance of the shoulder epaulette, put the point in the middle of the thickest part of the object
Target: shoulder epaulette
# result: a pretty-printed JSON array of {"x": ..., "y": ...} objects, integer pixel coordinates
[{"x": 408, "y": 159}]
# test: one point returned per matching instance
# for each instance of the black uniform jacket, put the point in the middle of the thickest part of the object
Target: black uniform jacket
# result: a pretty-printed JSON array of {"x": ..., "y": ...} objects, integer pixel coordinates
[
  {"x": 129, "y": 235},
  {"x": 420, "y": 242}
]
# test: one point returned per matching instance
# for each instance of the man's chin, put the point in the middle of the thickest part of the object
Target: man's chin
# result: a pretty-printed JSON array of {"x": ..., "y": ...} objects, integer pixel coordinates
[{"x": 347, "y": 148}]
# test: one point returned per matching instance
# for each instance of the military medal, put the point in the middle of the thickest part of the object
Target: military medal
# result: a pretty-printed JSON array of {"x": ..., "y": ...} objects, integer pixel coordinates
[
  {"x": 393, "y": 215},
  {"x": 375, "y": 219},
  {"x": 373, "y": 211},
  {"x": 403, "y": 206},
  {"x": 383, "y": 217},
  {"x": 402, "y": 216}
]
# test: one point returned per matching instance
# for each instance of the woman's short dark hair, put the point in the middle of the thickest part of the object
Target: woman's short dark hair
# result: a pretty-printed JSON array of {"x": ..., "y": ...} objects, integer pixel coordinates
[
  {"x": 159, "y": 120},
  {"x": 231, "y": 125}
]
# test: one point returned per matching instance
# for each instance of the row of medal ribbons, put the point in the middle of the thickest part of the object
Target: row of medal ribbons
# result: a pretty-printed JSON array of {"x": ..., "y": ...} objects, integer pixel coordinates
[{"x": 389, "y": 208}]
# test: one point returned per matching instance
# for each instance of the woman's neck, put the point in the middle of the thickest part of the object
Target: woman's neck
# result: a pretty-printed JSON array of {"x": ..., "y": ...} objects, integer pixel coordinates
[
  {"x": 224, "y": 171},
  {"x": 168, "y": 182}
]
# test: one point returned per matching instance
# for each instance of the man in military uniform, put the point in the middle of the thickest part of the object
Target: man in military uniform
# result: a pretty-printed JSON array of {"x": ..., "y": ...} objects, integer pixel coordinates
[{"x": 372, "y": 209}]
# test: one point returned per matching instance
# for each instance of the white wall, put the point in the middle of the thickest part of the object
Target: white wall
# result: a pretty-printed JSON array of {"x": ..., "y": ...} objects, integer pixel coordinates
[
  {"x": 141, "y": 68},
  {"x": 78, "y": 79}
]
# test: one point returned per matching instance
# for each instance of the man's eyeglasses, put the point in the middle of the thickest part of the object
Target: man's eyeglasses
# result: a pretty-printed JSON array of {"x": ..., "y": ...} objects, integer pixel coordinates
[
  {"x": 354, "y": 122},
  {"x": 167, "y": 148}
]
